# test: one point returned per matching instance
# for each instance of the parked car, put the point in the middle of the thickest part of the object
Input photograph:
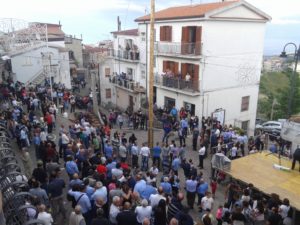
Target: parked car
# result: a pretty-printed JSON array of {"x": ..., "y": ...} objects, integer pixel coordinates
[{"x": 270, "y": 127}]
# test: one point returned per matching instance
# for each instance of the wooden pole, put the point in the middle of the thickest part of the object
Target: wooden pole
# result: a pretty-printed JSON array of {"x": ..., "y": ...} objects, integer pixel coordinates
[{"x": 151, "y": 76}]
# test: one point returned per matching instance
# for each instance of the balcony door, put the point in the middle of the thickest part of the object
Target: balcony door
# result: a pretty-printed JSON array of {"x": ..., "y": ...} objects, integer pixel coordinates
[{"x": 191, "y": 40}]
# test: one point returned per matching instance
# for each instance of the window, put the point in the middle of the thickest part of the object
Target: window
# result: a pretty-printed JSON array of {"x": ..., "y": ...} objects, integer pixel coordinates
[
  {"x": 108, "y": 93},
  {"x": 166, "y": 33},
  {"x": 245, "y": 125},
  {"x": 245, "y": 103},
  {"x": 27, "y": 61},
  {"x": 107, "y": 72}
]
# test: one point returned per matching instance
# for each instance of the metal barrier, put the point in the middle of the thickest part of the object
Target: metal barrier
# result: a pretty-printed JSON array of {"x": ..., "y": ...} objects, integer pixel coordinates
[{"x": 17, "y": 202}]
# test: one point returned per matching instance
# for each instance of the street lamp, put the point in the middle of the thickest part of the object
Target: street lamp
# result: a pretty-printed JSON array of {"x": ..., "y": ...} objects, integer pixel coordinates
[{"x": 296, "y": 58}]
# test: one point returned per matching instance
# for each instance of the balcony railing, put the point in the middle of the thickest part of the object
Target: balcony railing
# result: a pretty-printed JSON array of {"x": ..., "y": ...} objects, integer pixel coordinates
[
  {"x": 129, "y": 55},
  {"x": 178, "y": 48},
  {"x": 127, "y": 84},
  {"x": 177, "y": 83}
]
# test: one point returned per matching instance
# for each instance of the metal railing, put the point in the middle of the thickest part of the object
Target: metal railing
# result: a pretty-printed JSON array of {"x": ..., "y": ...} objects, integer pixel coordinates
[
  {"x": 16, "y": 201},
  {"x": 128, "y": 84},
  {"x": 177, "y": 83},
  {"x": 131, "y": 55},
  {"x": 178, "y": 48}
]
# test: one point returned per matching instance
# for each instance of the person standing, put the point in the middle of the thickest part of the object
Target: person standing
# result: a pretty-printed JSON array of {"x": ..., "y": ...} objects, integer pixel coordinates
[
  {"x": 44, "y": 216},
  {"x": 201, "y": 152},
  {"x": 145, "y": 153},
  {"x": 55, "y": 192},
  {"x": 195, "y": 137},
  {"x": 120, "y": 120},
  {"x": 143, "y": 212},
  {"x": 126, "y": 216},
  {"x": 156, "y": 155},
  {"x": 27, "y": 162},
  {"x": 76, "y": 217},
  {"x": 191, "y": 188},
  {"x": 135, "y": 155}
]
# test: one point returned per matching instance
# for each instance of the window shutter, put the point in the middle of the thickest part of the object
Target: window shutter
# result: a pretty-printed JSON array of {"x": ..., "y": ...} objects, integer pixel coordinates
[
  {"x": 195, "y": 75},
  {"x": 176, "y": 64},
  {"x": 198, "y": 40},
  {"x": 169, "y": 33},
  {"x": 165, "y": 66},
  {"x": 183, "y": 69},
  {"x": 162, "y": 33},
  {"x": 184, "y": 40}
]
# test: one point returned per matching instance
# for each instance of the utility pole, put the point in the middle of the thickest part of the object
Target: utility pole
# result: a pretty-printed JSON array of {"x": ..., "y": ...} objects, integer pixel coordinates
[
  {"x": 94, "y": 94},
  {"x": 151, "y": 76}
]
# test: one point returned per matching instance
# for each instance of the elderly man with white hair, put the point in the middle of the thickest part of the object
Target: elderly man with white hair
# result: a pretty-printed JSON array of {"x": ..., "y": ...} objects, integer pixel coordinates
[
  {"x": 100, "y": 191},
  {"x": 76, "y": 217},
  {"x": 143, "y": 212},
  {"x": 114, "y": 210},
  {"x": 44, "y": 216}
]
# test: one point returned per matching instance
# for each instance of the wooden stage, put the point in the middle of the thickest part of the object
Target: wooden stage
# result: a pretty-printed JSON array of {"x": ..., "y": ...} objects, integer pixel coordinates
[{"x": 258, "y": 169}]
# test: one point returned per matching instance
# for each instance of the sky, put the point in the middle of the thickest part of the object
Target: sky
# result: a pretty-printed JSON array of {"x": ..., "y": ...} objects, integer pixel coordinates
[{"x": 95, "y": 19}]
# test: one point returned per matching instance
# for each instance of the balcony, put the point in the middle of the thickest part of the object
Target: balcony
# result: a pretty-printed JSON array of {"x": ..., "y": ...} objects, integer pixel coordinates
[
  {"x": 177, "y": 84},
  {"x": 126, "y": 84},
  {"x": 178, "y": 49},
  {"x": 124, "y": 55}
]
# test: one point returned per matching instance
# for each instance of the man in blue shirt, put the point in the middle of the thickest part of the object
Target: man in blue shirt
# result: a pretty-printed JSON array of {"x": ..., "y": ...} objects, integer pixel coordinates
[
  {"x": 167, "y": 188},
  {"x": 156, "y": 155},
  {"x": 83, "y": 200},
  {"x": 201, "y": 190},
  {"x": 140, "y": 185},
  {"x": 55, "y": 192},
  {"x": 176, "y": 165},
  {"x": 71, "y": 167},
  {"x": 149, "y": 190},
  {"x": 191, "y": 187},
  {"x": 108, "y": 150}
]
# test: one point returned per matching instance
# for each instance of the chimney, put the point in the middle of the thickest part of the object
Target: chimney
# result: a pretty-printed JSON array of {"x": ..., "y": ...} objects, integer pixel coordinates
[{"x": 119, "y": 24}]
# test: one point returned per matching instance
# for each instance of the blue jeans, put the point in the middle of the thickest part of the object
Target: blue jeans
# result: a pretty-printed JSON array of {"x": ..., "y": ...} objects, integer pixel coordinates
[{"x": 145, "y": 163}]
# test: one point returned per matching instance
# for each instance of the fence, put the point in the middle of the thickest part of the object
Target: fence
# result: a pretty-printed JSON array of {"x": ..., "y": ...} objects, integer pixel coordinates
[{"x": 17, "y": 207}]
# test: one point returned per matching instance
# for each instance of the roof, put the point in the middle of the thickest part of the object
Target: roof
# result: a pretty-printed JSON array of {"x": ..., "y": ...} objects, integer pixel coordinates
[
  {"x": 132, "y": 32},
  {"x": 188, "y": 11},
  {"x": 91, "y": 49}
]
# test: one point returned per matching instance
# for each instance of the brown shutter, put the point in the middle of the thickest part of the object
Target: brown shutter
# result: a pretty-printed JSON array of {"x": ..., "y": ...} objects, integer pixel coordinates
[
  {"x": 162, "y": 33},
  {"x": 198, "y": 40},
  {"x": 195, "y": 78},
  {"x": 183, "y": 69},
  {"x": 165, "y": 66},
  {"x": 169, "y": 34},
  {"x": 184, "y": 40},
  {"x": 176, "y": 64}
]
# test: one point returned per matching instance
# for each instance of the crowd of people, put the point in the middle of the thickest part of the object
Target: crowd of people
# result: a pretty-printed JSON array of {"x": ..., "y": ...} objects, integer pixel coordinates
[{"x": 117, "y": 179}]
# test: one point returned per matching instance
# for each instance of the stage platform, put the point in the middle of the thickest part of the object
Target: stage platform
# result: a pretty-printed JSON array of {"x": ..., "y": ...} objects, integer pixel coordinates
[{"x": 258, "y": 169}]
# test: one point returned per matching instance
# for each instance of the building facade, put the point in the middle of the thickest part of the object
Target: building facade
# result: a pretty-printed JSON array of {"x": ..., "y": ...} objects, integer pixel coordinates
[
  {"x": 208, "y": 59},
  {"x": 123, "y": 72}
]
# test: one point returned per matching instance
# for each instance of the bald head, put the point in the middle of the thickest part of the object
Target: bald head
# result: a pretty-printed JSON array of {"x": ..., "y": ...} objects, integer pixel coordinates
[
  {"x": 146, "y": 221},
  {"x": 173, "y": 221},
  {"x": 127, "y": 206},
  {"x": 160, "y": 190},
  {"x": 77, "y": 209},
  {"x": 180, "y": 196}
]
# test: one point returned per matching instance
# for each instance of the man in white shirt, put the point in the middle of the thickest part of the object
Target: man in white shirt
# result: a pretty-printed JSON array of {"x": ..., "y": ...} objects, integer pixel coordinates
[
  {"x": 201, "y": 155},
  {"x": 44, "y": 216},
  {"x": 155, "y": 198},
  {"x": 145, "y": 153},
  {"x": 114, "y": 210},
  {"x": 207, "y": 202},
  {"x": 143, "y": 212}
]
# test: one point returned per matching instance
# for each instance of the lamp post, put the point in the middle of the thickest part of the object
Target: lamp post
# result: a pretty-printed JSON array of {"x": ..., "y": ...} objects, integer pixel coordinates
[{"x": 296, "y": 58}]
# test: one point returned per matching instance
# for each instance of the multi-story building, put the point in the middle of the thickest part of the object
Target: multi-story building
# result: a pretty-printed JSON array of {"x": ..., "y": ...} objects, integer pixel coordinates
[
  {"x": 123, "y": 72},
  {"x": 208, "y": 59}
]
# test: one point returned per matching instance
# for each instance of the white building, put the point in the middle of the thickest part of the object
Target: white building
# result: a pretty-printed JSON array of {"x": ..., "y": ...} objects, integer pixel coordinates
[
  {"x": 123, "y": 72},
  {"x": 220, "y": 45},
  {"x": 40, "y": 63}
]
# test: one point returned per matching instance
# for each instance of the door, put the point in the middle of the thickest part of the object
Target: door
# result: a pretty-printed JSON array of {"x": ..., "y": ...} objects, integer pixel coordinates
[
  {"x": 198, "y": 40},
  {"x": 184, "y": 40},
  {"x": 169, "y": 103},
  {"x": 131, "y": 104}
]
